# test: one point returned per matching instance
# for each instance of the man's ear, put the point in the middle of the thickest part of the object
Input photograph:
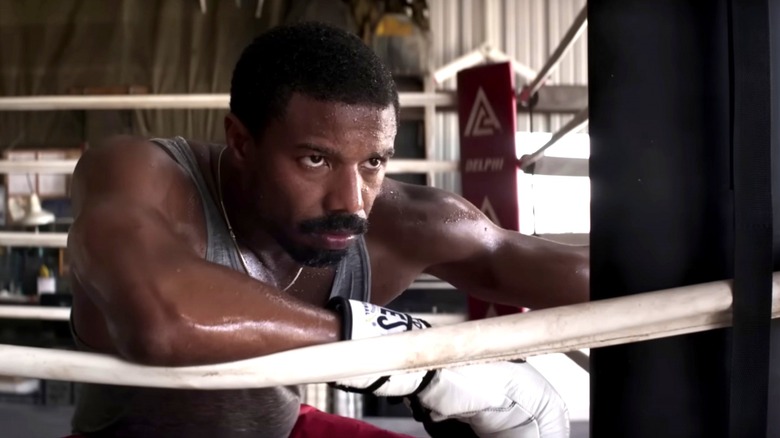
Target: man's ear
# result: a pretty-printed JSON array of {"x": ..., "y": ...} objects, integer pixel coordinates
[{"x": 237, "y": 136}]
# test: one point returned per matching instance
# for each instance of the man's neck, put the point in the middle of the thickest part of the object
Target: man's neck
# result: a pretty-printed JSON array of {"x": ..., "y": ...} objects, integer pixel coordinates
[{"x": 251, "y": 235}]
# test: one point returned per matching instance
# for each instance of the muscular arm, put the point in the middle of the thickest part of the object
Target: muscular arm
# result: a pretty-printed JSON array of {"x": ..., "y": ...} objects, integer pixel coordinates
[
  {"x": 444, "y": 235},
  {"x": 134, "y": 254}
]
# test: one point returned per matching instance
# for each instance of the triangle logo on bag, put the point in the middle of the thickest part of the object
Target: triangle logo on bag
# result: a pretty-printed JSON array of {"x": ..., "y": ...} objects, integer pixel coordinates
[{"x": 482, "y": 119}]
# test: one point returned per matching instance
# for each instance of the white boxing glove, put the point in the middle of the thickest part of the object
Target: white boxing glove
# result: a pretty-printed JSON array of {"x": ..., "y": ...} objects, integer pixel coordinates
[
  {"x": 498, "y": 400},
  {"x": 365, "y": 320},
  {"x": 494, "y": 400}
]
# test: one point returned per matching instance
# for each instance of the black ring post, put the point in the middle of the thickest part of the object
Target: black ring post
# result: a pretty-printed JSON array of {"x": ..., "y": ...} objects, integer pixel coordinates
[{"x": 662, "y": 89}]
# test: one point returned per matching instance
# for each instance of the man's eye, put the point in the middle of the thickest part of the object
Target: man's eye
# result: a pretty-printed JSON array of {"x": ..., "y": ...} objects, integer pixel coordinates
[
  {"x": 375, "y": 163},
  {"x": 313, "y": 161}
]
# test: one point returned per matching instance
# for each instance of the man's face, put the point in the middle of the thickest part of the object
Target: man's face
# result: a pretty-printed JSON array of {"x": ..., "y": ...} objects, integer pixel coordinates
[{"x": 314, "y": 174}]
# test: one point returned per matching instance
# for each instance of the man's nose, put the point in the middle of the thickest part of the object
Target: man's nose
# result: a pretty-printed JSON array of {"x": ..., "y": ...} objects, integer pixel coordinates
[{"x": 345, "y": 194}]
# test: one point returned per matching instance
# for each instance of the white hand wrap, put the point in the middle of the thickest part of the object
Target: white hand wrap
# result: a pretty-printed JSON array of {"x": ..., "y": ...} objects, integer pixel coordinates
[
  {"x": 365, "y": 320},
  {"x": 495, "y": 400}
]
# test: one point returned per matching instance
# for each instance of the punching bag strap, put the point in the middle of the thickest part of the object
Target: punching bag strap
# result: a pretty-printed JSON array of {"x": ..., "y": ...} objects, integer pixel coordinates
[{"x": 751, "y": 165}]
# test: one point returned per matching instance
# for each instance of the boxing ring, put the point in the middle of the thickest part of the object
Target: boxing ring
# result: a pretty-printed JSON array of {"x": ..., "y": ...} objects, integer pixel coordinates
[
  {"x": 59, "y": 240},
  {"x": 563, "y": 330},
  {"x": 452, "y": 342},
  {"x": 632, "y": 319}
]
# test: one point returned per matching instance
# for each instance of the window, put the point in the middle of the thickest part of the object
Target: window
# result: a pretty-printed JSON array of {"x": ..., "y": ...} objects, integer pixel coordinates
[{"x": 554, "y": 204}]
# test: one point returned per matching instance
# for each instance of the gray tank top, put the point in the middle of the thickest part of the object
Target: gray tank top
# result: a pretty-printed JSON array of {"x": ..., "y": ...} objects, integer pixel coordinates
[{"x": 120, "y": 411}]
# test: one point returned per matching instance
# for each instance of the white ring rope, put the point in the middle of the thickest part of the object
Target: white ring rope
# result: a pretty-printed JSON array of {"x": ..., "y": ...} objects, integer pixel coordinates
[
  {"x": 578, "y": 122},
  {"x": 35, "y": 240},
  {"x": 59, "y": 240},
  {"x": 401, "y": 165},
  {"x": 396, "y": 165},
  {"x": 46, "y": 313},
  {"x": 575, "y": 31},
  {"x": 29, "y": 312},
  {"x": 35, "y": 312},
  {"x": 595, "y": 324},
  {"x": 175, "y": 101},
  {"x": 41, "y": 167}
]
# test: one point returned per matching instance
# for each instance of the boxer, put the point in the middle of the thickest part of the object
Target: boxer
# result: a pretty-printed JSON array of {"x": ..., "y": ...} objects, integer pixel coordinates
[{"x": 289, "y": 235}]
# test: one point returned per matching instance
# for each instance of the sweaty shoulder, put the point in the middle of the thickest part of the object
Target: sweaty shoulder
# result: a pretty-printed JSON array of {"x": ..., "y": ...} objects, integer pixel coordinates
[
  {"x": 130, "y": 173},
  {"x": 124, "y": 167},
  {"x": 402, "y": 204},
  {"x": 424, "y": 224}
]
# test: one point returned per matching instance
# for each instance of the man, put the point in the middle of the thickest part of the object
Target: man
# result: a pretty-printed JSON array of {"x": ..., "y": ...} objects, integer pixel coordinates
[{"x": 186, "y": 254}]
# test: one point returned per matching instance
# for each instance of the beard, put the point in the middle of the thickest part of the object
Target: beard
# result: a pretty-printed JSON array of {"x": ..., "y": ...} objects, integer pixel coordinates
[{"x": 311, "y": 256}]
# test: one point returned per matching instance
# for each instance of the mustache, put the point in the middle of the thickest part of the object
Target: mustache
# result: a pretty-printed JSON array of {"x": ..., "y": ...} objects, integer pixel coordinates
[{"x": 336, "y": 223}]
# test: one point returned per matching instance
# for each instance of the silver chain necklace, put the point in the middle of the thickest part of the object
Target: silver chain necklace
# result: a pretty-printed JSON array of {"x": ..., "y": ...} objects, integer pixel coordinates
[{"x": 230, "y": 227}]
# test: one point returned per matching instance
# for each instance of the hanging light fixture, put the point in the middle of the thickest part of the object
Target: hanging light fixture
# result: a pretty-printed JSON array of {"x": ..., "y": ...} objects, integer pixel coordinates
[{"x": 35, "y": 215}]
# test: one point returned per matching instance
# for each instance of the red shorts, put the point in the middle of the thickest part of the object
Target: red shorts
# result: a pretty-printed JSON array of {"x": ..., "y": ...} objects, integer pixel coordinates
[{"x": 313, "y": 423}]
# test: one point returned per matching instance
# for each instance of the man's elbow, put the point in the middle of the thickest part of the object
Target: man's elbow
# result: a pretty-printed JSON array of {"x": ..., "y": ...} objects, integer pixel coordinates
[
  {"x": 149, "y": 336},
  {"x": 148, "y": 344}
]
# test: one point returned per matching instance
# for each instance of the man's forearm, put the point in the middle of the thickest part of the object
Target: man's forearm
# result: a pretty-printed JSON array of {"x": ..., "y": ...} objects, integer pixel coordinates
[
  {"x": 546, "y": 275},
  {"x": 205, "y": 313}
]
